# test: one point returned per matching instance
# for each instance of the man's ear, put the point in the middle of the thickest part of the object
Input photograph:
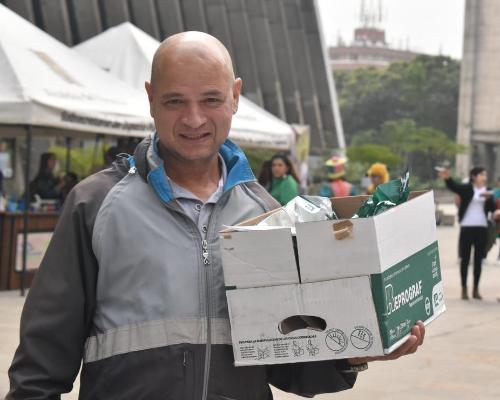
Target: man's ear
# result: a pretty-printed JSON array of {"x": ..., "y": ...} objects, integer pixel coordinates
[
  {"x": 237, "y": 85},
  {"x": 149, "y": 91}
]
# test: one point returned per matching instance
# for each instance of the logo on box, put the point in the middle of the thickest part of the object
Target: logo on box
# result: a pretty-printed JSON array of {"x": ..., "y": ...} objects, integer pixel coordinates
[{"x": 336, "y": 340}]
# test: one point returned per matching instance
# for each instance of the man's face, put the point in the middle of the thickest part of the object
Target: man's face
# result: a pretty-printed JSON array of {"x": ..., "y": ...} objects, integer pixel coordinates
[{"x": 192, "y": 103}]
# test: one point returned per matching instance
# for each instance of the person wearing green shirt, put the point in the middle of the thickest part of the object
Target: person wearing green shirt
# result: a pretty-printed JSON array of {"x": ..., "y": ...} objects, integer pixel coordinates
[{"x": 284, "y": 186}]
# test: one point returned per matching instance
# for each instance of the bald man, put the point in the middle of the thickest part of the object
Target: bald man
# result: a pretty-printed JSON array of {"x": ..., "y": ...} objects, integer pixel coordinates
[{"x": 132, "y": 282}]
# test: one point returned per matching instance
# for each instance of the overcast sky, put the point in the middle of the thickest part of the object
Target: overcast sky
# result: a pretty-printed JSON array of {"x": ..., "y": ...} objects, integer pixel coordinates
[{"x": 428, "y": 26}]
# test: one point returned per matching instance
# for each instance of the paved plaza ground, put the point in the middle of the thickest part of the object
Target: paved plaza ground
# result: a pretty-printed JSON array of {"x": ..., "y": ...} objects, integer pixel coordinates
[{"x": 460, "y": 359}]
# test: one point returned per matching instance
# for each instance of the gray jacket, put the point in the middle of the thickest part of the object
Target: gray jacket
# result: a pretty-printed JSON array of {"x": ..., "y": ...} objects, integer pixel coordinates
[{"x": 127, "y": 286}]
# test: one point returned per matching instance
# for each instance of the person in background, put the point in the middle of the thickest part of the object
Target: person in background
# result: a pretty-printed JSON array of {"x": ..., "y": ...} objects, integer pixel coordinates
[
  {"x": 496, "y": 215},
  {"x": 110, "y": 155},
  {"x": 67, "y": 183},
  {"x": 336, "y": 186},
  {"x": 3, "y": 201},
  {"x": 476, "y": 201},
  {"x": 379, "y": 174},
  {"x": 46, "y": 184},
  {"x": 266, "y": 175},
  {"x": 1, "y": 182},
  {"x": 285, "y": 183},
  {"x": 365, "y": 183}
]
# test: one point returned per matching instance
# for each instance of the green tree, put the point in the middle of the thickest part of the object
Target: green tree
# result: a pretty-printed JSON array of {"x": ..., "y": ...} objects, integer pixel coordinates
[
  {"x": 424, "y": 90},
  {"x": 419, "y": 148},
  {"x": 368, "y": 154},
  {"x": 83, "y": 160}
]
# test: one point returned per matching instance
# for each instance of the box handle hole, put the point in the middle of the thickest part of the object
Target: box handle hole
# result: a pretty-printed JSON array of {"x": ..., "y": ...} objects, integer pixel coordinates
[{"x": 295, "y": 322}]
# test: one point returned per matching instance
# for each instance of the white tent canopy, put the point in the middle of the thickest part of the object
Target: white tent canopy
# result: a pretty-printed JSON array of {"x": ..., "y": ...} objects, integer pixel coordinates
[
  {"x": 127, "y": 52},
  {"x": 43, "y": 83}
]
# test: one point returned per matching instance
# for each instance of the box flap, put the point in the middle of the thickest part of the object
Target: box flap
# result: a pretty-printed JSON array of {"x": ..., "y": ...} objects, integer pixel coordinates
[
  {"x": 258, "y": 258},
  {"x": 346, "y": 207},
  {"x": 334, "y": 249}
]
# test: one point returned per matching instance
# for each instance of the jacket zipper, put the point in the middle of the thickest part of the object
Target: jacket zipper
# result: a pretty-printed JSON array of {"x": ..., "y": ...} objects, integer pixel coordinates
[{"x": 206, "y": 262}]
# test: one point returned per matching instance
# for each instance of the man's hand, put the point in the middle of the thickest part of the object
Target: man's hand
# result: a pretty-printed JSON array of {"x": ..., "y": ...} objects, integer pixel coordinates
[{"x": 409, "y": 347}]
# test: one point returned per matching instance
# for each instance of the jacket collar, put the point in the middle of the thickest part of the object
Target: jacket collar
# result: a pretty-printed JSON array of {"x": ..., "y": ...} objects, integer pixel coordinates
[{"x": 151, "y": 167}]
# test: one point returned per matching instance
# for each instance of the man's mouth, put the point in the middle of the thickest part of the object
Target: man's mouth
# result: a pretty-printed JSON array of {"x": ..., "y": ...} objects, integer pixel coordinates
[{"x": 194, "y": 137}]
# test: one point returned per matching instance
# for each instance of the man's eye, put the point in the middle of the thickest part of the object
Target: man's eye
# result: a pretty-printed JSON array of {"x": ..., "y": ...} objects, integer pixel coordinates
[
  {"x": 173, "y": 102},
  {"x": 213, "y": 100}
]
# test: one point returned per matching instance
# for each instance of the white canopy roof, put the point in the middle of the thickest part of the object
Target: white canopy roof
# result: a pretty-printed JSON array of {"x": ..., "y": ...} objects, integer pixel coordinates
[
  {"x": 127, "y": 52},
  {"x": 46, "y": 84}
]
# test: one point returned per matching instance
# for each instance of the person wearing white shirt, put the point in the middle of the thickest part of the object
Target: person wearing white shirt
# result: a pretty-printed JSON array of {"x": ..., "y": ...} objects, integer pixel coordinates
[{"x": 476, "y": 201}]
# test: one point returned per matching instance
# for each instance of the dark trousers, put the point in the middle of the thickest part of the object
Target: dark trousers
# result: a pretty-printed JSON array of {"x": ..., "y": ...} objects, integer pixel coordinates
[{"x": 472, "y": 236}]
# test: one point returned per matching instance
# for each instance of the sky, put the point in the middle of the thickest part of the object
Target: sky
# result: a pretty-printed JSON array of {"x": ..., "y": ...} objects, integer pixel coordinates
[{"x": 426, "y": 26}]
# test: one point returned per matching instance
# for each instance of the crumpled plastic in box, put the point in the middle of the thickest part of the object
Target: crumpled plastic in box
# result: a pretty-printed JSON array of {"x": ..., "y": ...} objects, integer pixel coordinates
[{"x": 301, "y": 209}]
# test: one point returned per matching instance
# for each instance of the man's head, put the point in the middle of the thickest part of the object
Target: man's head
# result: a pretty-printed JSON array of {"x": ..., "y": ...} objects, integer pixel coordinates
[{"x": 192, "y": 94}]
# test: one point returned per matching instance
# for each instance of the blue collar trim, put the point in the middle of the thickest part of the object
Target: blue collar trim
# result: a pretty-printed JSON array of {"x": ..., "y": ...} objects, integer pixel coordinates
[
  {"x": 238, "y": 168},
  {"x": 158, "y": 179},
  {"x": 238, "y": 171},
  {"x": 131, "y": 161}
]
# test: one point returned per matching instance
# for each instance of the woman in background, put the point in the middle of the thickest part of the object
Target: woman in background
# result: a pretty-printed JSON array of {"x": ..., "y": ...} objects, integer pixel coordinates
[
  {"x": 265, "y": 176},
  {"x": 285, "y": 183},
  {"x": 476, "y": 201},
  {"x": 46, "y": 184}
]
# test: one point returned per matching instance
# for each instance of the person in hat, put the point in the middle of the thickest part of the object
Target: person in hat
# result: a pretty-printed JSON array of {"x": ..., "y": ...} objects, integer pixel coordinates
[{"x": 336, "y": 186}]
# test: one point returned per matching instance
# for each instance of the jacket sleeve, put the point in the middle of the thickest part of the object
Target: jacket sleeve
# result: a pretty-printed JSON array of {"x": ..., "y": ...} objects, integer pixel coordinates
[
  {"x": 310, "y": 379},
  {"x": 59, "y": 308},
  {"x": 458, "y": 188}
]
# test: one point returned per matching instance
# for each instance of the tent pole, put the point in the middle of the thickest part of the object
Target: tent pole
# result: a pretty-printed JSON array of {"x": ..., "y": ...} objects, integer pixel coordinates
[
  {"x": 68, "y": 154},
  {"x": 27, "y": 196}
]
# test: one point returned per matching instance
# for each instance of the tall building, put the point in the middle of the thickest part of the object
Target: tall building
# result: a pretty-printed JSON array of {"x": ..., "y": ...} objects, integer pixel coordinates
[
  {"x": 276, "y": 45},
  {"x": 479, "y": 101},
  {"x": 369, "y": 48}
]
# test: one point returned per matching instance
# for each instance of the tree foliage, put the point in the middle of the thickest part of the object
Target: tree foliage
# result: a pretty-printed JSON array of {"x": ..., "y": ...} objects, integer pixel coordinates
[
  {"x": 404, "y": 116},
  {"x": 368, "y": 154},
  {"x": 83, "y": 160},
  {"x": 424, "y": 90},
  {"x": 418, "y": 148}
]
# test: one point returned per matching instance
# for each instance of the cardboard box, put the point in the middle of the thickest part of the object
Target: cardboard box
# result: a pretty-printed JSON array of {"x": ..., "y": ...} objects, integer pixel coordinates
[{"x": 338, "y": 289}]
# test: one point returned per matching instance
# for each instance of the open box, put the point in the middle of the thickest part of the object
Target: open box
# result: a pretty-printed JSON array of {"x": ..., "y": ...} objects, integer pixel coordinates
[{"x": 336, "y": 289}]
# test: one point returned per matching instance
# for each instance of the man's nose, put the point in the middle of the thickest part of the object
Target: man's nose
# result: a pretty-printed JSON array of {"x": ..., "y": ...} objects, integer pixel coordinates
[{"x": 194, "y": 117}]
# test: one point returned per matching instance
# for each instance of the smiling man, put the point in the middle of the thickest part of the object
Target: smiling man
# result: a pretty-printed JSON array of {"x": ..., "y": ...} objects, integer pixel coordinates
[{"x": 132, "y": 281}]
